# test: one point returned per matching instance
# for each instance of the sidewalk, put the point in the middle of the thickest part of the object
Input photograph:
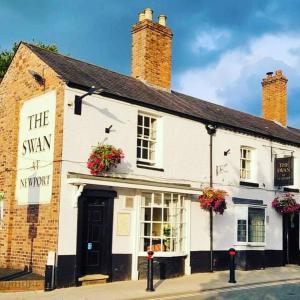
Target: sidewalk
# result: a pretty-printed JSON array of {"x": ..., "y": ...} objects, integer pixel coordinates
[{"x": 187, "y": 284}]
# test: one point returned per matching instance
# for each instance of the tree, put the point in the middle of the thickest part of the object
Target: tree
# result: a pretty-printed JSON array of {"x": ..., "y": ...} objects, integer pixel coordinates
[{"x": 6, "y": 56}]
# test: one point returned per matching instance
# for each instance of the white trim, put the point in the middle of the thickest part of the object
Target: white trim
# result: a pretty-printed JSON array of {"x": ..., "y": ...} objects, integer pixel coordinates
[
  {"x": 136, "y": 224},
  {"x": 82, "y": 181}
]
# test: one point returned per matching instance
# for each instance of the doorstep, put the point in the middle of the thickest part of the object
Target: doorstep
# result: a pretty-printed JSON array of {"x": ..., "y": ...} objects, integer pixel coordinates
[{"x": 93, "y": 279}]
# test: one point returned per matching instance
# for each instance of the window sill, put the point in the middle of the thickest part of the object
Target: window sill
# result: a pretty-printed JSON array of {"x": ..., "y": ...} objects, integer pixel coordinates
[
  {"x": 248, "y": 183},
  {"x": 291, "y": 190},
  {"x": 260, "y": 245},
  {"x": 164, "y": 254},
  {"x": 149, "y": 168}
]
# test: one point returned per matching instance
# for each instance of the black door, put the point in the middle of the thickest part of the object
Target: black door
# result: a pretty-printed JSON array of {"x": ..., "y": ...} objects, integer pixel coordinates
[
  {"x": 95, "y": 214},
  {"x": 291, "y": 238}
]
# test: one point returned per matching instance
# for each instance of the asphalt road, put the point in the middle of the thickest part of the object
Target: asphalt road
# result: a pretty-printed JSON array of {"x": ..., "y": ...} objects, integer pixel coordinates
[{"x": 288, "y": 291}]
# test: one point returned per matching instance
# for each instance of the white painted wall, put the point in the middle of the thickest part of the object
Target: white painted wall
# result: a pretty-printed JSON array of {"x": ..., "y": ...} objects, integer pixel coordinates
[{"x": 185, "y": 159}]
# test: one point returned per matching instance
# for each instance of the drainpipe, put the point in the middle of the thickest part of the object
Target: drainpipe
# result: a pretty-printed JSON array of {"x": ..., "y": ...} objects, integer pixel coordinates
[{"x": 211, "y": 130}]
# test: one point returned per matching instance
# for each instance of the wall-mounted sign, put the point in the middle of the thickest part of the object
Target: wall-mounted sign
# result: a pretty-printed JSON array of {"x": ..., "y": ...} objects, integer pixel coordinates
[
  {"x": 123, "y": 224},
  {"x": 284, "y": 171},
  {"x": 36, "y": 150}
]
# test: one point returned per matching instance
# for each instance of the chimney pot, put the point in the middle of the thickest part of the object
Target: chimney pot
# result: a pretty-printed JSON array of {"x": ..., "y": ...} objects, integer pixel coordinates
[
  {"x": 141, "y": 16},
  {"x": 148, "y": 14},
  {"x": 162, "y": 20}
]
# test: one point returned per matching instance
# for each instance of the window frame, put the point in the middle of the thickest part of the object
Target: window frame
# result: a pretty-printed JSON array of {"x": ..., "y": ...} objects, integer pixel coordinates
[
  {"x": 181, "y": 237},
  {"x": 252, "y": 164},
  {"x": 247, "y": 243},
  {"x": 148, "y": 139}
]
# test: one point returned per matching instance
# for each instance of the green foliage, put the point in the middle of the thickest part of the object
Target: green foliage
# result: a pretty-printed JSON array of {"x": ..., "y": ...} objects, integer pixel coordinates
[{"x": 6, "y": 56}]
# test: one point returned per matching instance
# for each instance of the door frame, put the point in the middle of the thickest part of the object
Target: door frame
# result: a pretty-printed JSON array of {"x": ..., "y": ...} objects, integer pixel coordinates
[
  {"x": 84, "y": 197},
  {"x": 285, "y": 241}
]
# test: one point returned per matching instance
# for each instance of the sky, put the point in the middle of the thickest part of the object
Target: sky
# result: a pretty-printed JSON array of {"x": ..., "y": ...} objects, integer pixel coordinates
[{"x": 222, "y": 49}]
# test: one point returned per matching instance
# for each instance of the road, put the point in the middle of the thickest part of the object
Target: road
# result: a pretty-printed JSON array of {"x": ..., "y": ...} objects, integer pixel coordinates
[{"x": 287, "y": 291}]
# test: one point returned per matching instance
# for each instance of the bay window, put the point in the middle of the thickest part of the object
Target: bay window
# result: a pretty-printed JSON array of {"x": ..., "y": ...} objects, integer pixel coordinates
[{"x": 162, "y": 224}]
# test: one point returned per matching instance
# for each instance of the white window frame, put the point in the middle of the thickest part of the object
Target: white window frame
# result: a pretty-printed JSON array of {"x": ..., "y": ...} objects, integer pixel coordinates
[
  {"x": 243, "y": 214},
  {"x": 151, "y": 139},
  {"x": 178, "y": 237},
  {"x": 252, "y": 164}
]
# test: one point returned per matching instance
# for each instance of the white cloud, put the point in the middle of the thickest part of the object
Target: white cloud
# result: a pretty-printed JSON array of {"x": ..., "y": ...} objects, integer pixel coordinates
[
  {"x": 229, "y": 81},
  {"x": 210, "y": 40}
]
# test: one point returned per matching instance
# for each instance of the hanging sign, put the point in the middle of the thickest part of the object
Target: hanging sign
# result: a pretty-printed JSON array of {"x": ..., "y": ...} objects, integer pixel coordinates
[{"x": 284, "y": 171}]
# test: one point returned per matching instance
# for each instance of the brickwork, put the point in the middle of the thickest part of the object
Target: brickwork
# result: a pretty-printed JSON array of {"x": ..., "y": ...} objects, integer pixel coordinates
[
  {"x": 152, "y": 53},
  {"x": 28, "y": 232},
  {"x": 21, "y": 285},
  {"x": 274, "y": 97}
]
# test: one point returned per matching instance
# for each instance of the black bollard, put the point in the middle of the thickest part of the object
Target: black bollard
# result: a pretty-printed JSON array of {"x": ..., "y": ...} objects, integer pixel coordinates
[
  {"x": 232, "y": 253},
  {"x": 150, "y": 287}
]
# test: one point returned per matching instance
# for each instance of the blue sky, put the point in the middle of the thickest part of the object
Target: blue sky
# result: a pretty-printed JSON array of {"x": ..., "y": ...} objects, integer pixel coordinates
[{"x": 221, "y": 48}]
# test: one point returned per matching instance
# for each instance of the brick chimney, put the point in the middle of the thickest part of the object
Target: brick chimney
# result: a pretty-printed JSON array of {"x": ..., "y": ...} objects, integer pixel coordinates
[
  {"x": 274, "y": 97},
  {"x": 152, "y": 51}
]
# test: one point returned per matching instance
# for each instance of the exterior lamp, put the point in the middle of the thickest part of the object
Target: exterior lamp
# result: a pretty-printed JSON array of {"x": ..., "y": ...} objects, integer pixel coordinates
[{"x": 78, "y": 99}]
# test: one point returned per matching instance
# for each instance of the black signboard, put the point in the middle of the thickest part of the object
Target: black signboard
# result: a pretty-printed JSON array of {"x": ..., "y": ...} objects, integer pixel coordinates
[{"x": 284, "y": 171}]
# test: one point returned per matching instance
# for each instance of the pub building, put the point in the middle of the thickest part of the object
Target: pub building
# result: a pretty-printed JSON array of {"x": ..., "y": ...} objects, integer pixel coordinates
[{"x": 56, "y": 109}]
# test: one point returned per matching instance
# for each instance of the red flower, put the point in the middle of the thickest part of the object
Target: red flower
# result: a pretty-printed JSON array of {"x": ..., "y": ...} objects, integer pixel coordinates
[
  {"x": 103, "y": 158},
  {"x": 213, "y": 200}
]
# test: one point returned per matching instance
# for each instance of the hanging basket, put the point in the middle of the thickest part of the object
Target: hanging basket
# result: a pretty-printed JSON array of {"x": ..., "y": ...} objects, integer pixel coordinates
[
  {"x": 103, "y": 158},
  {"x": 213, "y": 200},
  {"x": 286, "y": 204}
]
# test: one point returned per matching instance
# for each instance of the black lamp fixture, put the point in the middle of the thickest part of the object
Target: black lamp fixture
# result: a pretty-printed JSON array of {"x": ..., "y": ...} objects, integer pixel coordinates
[
  {"x": 226, "y": 152},
  {"x": 37, "y": 77},
  {"x": 78, "y": 99},
  {"x": 211, "y": 129},
  {"x": 107, "y": 129}
]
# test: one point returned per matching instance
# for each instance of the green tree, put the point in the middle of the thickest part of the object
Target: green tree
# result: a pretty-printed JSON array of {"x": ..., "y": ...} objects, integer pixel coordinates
[{"x": 6, "y": 56}]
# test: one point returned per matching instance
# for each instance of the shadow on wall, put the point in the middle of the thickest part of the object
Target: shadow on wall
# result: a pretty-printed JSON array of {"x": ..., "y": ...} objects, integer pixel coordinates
[{"x": 32, "y": 220}]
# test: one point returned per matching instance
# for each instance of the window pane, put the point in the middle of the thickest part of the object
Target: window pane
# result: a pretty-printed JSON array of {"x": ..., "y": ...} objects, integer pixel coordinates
[
  {"x": 138, "y": 152},
  {"x": 146, "y": 132},
  {"x": 147, "y": 214},
  {"x": 241, "y": 231},
  {"x": 140, "y": 131},
  {"x": 140, "y": 120},
  {"x": 157, "y": 199},
  {"x": 256, "y": 225},
  {"x": 145, "y": 153},
  {"x": 146, "y": 121},
  {"x": 157, "y": 214},
  {"x": 146, "y": 199}
]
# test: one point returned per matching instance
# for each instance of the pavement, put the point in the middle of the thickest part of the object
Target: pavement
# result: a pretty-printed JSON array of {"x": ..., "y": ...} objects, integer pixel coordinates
[{"x": 195, "y": 283}]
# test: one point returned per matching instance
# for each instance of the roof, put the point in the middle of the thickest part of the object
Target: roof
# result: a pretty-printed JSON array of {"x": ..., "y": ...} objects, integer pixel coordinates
[{"x": 85, "y": 75}]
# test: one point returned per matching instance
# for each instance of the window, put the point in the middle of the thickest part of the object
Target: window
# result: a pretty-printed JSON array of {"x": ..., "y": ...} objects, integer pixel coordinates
[
  {"x": 162, "y": 222},
  {"x": 146, "y": 139},
  {"x": 252, "y": 230},
  {"x": 256, "y": 225},
  {"x": 245, "y": 165},
  {"x": 242, "y": 231}
]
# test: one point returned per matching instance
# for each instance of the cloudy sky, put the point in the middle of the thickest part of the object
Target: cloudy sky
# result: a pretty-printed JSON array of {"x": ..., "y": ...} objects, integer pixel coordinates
[{"x": 221, "y": 49}]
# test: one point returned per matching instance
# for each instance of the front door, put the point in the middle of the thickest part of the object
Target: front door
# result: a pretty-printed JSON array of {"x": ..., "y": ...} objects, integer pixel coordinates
[
  {"x": 291, "y": 238},
  {"x": 95, "y": 214}
]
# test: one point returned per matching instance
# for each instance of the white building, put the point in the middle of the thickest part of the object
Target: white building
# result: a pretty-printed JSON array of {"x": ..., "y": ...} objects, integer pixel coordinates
[{"x": 107, "y": 222}]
